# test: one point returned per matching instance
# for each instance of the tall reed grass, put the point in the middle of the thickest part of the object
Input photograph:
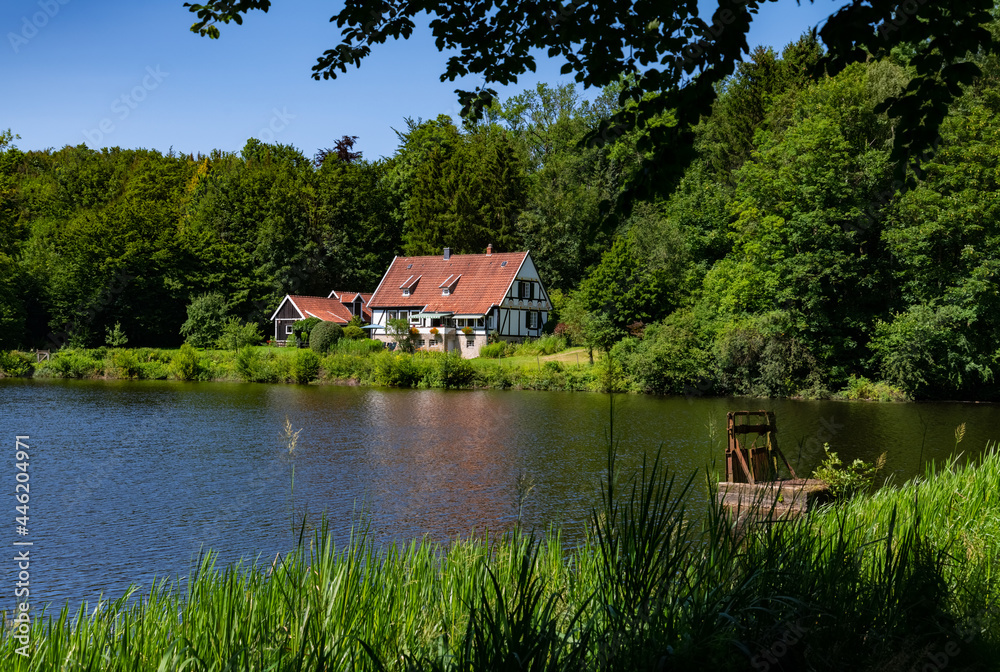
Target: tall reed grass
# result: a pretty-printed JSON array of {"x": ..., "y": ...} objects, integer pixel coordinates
[{"x": 900, "y": 580}]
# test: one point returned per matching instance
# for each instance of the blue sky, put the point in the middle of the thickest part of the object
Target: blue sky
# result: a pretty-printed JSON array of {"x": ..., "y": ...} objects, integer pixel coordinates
[{"x": 131, "y": 74}]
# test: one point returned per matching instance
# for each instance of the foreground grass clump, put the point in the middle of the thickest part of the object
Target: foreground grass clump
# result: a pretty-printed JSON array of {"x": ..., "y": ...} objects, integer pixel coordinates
[{"x": 900, "y": 580}]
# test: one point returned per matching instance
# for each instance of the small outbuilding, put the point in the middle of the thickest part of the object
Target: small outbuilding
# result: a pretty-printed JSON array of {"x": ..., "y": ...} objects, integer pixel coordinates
[{"x": 339, "y": 307}]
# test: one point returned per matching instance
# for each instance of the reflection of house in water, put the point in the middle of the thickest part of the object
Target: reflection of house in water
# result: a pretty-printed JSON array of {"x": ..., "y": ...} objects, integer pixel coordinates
[{"x": 428, "y": 463}]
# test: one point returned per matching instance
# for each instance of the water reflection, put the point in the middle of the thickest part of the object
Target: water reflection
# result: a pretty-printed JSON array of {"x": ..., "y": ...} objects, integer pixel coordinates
[{"x": 131, "y": 480}]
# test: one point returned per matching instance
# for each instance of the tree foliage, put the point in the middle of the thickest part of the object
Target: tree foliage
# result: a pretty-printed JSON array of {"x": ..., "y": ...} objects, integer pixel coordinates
[
  {"x": 465, "y": 190},
  {"x": 780, "y": 243},
  {"x": 206, "y": 318},
  {"x": 669, "y": 51}
]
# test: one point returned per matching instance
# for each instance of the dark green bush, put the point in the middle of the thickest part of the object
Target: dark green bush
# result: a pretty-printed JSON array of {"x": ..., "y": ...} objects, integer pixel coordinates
[
  {"x": 253, "y": 366},
  {"x": 15, "y": 363},
  {"x": 237, "y": 334},
  {"x": 324, "y": 335},
  {"x": 122, "y": 363},
  {"x": 206, "y": 318},
  {"x": 186, "y": 364},
  {"x": 454, "y": 371},
  {"x": 354, "y": 332},
  {"x": 668, "y": 359},
  {"x": 305, "y": 366},
  {"x": 71, "y": 363},
  {"x": 759, "y": 356},
  {"x": 302, "y": 329}
]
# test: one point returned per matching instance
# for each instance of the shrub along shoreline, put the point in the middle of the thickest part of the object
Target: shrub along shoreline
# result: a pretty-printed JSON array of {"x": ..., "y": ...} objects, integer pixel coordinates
[
  {"x": 903, "y": 579},
  {"x": 365, "y": 362}
]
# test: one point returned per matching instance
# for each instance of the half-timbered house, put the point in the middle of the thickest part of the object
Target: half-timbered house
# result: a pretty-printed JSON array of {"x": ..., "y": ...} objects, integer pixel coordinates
[{"x": 455, "y": 301}]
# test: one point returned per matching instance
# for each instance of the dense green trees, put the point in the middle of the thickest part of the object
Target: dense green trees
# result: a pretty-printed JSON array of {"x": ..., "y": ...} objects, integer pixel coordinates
[
  {"x": 790, "y": 250},
  {"x": 458, "y": 190}
]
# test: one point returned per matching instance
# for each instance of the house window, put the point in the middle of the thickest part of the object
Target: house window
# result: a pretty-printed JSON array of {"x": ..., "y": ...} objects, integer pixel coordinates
[
  {"x": 524, "y": 290},
  {"x": 445, "y": 292},
  {"x": 288, "y": 328},
  {"x": 470, "y": 342},
  {"x": 423, "y": 342},
  {"x": 406, "y": 292},
  {"x": 532, "y": 319},
  {"x": 481, "y": 321}
]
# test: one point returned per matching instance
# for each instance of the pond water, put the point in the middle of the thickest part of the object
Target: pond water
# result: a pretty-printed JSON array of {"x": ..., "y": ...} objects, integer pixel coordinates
[{"x": 130, "y": 480}]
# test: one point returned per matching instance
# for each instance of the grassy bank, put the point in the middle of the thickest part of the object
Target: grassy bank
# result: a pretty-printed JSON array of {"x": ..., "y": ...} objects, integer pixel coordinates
[
  {"x": 545, "y": 364},
  {"x": 363, "y": 362},
  {"x": 901, "y": 580}
]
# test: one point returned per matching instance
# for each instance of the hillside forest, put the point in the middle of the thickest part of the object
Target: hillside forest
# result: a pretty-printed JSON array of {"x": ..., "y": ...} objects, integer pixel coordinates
[{"x": 786, "y": 254}]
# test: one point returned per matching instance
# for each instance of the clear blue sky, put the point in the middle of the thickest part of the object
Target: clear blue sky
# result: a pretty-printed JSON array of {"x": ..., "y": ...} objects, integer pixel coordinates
[{"x": 131, "y": 74}]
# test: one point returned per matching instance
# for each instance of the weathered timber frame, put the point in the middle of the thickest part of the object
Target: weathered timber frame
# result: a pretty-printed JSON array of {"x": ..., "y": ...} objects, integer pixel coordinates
[{"x": 752, "y": 452}]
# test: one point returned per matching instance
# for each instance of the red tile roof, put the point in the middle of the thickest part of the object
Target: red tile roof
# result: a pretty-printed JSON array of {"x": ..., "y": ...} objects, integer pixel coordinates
[
  {"x": 350, "y": 296},
  {"x": 328, "y": 310},
  {"x": 483, "y": 283}
]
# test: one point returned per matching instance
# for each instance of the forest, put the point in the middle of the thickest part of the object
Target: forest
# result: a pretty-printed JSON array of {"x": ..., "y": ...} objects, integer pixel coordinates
[{"x": 789, "y": 254}]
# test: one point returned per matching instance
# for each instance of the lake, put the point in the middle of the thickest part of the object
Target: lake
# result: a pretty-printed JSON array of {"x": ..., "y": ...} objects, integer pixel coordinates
[{"x": 130, "y": 480}]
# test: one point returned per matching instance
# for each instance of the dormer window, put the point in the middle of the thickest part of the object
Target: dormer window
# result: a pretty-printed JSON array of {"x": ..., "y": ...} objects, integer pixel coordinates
[
  {"x": 409, "y": 284},
  {"x": 448, "y": 286}
]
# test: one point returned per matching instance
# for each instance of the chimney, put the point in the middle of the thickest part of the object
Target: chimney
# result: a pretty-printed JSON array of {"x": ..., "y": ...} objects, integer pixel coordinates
[
  {"x": 489, "y": 249},
  {"x": 447, "y": 253}
]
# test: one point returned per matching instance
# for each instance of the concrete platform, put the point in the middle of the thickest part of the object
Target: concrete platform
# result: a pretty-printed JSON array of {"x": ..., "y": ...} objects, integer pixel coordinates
[{"x": 773, "y": 499}]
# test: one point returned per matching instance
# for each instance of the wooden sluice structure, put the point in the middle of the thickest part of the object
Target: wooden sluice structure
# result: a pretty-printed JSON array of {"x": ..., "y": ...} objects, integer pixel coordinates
[{"x": 753, "y": 486}]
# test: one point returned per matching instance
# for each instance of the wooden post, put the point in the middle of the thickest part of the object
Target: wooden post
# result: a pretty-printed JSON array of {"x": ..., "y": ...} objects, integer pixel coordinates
[{"x": 752, "y": 452}]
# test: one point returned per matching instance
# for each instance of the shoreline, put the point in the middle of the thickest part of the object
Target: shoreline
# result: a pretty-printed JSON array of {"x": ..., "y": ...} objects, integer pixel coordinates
[{"x": 383, "y": 368}]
